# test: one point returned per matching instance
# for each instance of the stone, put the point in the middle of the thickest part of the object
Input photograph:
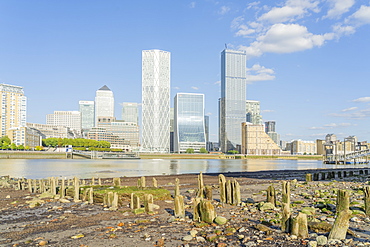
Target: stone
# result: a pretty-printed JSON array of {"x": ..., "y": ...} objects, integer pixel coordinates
[
  {"x": 187, "y": 238},
  {"x": 193, "y": 233},
  {"x": 250, "y": 200},
  {"x": 308, "y": 210},
  {"x": 219, "y": 220},
  {"x": 312, "y": 244},
  {"x": 200, "y": 239},
  {"x": 266, "y": 206},
  {"x": 321, "y": 240},
  {"x": 211, "y": 237}
]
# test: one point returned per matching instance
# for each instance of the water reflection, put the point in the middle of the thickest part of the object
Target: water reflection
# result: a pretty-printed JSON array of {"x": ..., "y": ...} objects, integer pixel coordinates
[{"x": 130, "y": 168}]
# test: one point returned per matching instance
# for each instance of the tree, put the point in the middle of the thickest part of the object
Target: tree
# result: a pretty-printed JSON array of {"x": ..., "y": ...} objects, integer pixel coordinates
[
  {"x": 189, "y": 151},
  {"x": 5, "y": 139},
  {"x": 203, "y": 151},
  {"x": 20, "y": 147},
  {"x": 232, "y": 152},
  {"x": 13, "y": 146},
  {"x": 38, "y": 148}
]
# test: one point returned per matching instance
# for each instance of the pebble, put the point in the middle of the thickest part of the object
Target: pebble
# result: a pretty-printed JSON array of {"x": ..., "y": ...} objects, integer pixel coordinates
[
  {"x": 321, "y": 240},
  {"x": 330, "y": 219},
  {"x": 187, "y": 238},
  {"x": 200, "y": 239},
  {"x": 312, "y": 244}
]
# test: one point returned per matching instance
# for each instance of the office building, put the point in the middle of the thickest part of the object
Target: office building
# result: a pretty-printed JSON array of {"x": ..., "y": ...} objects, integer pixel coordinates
[
  {"x": 87, "y": 110},
  {"x": 255, "y": 141},
  {"x": 13, "y": 107},
  {"x": 232, "y": 108},
  {"x": 128, "y": 131},
  {"x": 253, "y": 113},
  {"x": 299, "y": 147},
  {"x": 130, "y": 112},
  {"x": 189, "y": 122},
  {"x": 104, "y": 103},
  {"x": 270, "y": 126},
  {"x": 53, "y": 131},
  {"x": 155, "y": 101},
  {"x": 28, "y": 137},
  {"x": 71, "y": 119},
  {"x": 101, "y": 134}
]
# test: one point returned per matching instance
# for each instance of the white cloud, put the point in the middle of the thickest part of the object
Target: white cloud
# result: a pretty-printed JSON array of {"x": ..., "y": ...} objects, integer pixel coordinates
[
  {"x": 195, "y": 88},
  {"x": 361, "y": 16},
  {"x": 224, "y": 10},
  {"x": 331, "y": 126},
  {"x": 267, "y": 111},
  {"x": 259, "y": 73},
  {"x": 350, "y": 109},
  {"x": 283, "y": 14},
  {"x": 338, "y": 8},
  {"x": 286, "y": 38},
  {"x": 361, "y": 114},
  {"x": 217, "y": 82},
  {"x": 177, "y": 88},
  {"x": 362, "y": 100},
  {"x": 192, "y": 5}
]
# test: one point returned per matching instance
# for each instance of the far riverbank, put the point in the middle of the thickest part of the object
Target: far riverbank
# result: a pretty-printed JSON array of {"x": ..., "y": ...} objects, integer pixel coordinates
[{"x": 63, "y": 155}]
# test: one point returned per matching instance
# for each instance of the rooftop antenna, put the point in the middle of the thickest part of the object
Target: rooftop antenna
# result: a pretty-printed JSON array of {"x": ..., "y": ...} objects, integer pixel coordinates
[{"x": 225, "y": 46}]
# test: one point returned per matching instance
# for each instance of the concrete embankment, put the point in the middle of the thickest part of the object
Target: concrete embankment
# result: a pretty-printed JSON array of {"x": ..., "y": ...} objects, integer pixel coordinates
[{"x": 31, "y": 155}]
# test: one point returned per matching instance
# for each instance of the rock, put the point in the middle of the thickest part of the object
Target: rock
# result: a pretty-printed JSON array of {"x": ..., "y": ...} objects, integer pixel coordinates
[
  {"x": 330, "y": 219},
  {"x": 43, "y": 242},
  {"x": 266, "y": 206},
  {"x": 312, "y": 244},
  {"x": 193, "y": 233},
  {"x": 187, "y": 238},
  {"x": 8, "y": 196},
  {"x": 62, "y": 200},
  {"x": 171, "y": 219},
  {"x": 334, "y": 242},
  {"x": 249, "y": 200},
  {"x": 250, "y": 244},
  {"x": 293, "y": 237},
  {"x": 219, "y": 220},
  {"x": 46, "y": 195},
  {"x": 264, "y": 228},
  {"x": 200, "y": 239},
  {"x": 321, "y": 240},
  {"x": 211, "y": 237},
  {"x": 308, "y": 210},
  {"x": 331, "y": 207}
]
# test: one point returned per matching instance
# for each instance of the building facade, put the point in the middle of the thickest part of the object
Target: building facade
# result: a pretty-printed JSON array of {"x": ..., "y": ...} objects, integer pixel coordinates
[
  {"x": 128, "y": 131},
  {"x": 52, "y": 131},
  {"x": 101, "y": 134},
  {"x": 189, "y": 131},
  {"x": 71, "y": 119},
  {"x": 104, "y": 103},
  {"x": 257, "y": 142},
  {"x": 130, "y": 112},
  {"x": 28, "y": 137},
  {"x": 232, "y": 108},
  {"x": 253, "y": 112},
  {"x": 300, "y": 147},
  {"x": 155, "y": 101},
  {"x": 13, "y": 107},
  {"x": 87, "y": 110}
]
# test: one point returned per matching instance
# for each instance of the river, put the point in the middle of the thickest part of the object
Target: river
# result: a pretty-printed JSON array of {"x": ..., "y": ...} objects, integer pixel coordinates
[{"x": 43, "y": 168}]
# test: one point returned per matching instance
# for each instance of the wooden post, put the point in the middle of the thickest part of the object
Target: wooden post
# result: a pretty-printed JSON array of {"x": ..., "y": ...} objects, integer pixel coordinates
[
  {"x": 177, "y": 187},
  {"x": 341, "y": 224},
  {"x": 299, "y": 225},
  {"x": 155, "y": 183},
  {"x": 222, "y": 184},
  {"x": 236, "y": 193},
  {"x": 271, "y": 195},
  {"x": 342, "y": 200},
  {"x": 367, "y": 200},
  {"x": 308, "y": 177},
  {"x": 76, "y": 189},
  {"x": 200, "y": 192},
  {"x": 179, "y": 206}
]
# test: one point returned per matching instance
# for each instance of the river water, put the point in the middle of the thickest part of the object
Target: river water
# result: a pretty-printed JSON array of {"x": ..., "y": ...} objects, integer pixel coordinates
[{"x": 43, "y": 168}]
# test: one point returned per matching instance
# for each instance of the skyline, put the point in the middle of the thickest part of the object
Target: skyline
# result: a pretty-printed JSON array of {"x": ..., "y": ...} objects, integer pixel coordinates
[{"x": 306, "y": 60}]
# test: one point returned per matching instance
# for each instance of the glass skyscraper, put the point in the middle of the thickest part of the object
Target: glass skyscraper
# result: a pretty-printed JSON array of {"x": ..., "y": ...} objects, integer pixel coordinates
[
  {"x": 232, "y": 109},
  {"x": 87, "y": 110},
  {"x": 189, "y": 122},
  {"x": 156, "y": 101},
  {"x": 104, "y": 103},
  {"x": 130, "y": 112}
]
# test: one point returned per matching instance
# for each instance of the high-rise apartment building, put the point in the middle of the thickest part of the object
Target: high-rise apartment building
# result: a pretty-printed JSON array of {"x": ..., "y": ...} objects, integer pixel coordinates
[
  {"x": 87, "y": 110},
  {"x": 189, "y": 122},
  {"x": 233, "y": 97},
  {"x": 270, "y": 126},
  {"x": 71, "y": 119},
  {"x": 130, "y": 112},
  {"x": 156, "y": 101},
  {"x": 253, "y": 113},
  {"x": 104, "y": 103},
  {"x": 13, "y": 107}
]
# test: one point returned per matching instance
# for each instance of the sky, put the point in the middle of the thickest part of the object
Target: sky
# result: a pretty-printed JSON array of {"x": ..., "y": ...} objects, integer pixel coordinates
[{"x": 308, "y": 61}]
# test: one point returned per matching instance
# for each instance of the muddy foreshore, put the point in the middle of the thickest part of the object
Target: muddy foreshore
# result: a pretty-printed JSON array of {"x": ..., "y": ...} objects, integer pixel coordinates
[{"x": 55, "y": 222}]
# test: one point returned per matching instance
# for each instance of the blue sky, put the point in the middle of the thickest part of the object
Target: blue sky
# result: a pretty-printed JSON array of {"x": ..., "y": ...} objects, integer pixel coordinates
[{"x": 308, "y": 60}]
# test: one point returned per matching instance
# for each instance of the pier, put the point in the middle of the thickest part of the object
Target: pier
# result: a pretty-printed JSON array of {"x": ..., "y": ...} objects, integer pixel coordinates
[{"x": 357, "y": 157}]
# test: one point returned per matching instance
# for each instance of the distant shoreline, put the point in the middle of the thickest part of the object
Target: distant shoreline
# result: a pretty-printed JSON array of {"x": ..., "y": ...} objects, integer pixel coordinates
[{"x": 63, "y": 155}]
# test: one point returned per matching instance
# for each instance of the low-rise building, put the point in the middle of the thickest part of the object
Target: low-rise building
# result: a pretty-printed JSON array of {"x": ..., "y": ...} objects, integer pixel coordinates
[
  {"x": 255, "y": 141},
  {"x": 25, "y": 136},
  {"x": 302, "y": 147},
  {"x": 101, "y": 134},
  {"x": 52, "y": 131}
]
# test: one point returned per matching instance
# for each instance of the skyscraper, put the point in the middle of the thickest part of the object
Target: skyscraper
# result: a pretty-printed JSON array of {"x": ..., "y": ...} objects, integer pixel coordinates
[
  {"x": 232, "y": 109},
  {"x": 87, "y": 110},
  {"x": 156, "y": 101},
  {"x": 189, "y": 122},
  {"x": 253, "y": 112},
  {"x": 71, "y": 119},
  {"x": 130, "y": 112},
  {"x": 13, "y": 107},
  {"x": 104, "y": 103}
]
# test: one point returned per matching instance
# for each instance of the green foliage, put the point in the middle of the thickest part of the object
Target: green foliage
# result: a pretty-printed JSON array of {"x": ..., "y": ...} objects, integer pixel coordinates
[
  {"x": 20, "y": 147},
  {"x": 5, "y": 139},
  {"x": 189, "y": 151},
  {"x": 232, "y": 152},
  {"x": 39, "y": 148},
  {"x": 78, "y": 142},
  {"x": 125, "y": 191},
  {"x": 203, "y": 151}
]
